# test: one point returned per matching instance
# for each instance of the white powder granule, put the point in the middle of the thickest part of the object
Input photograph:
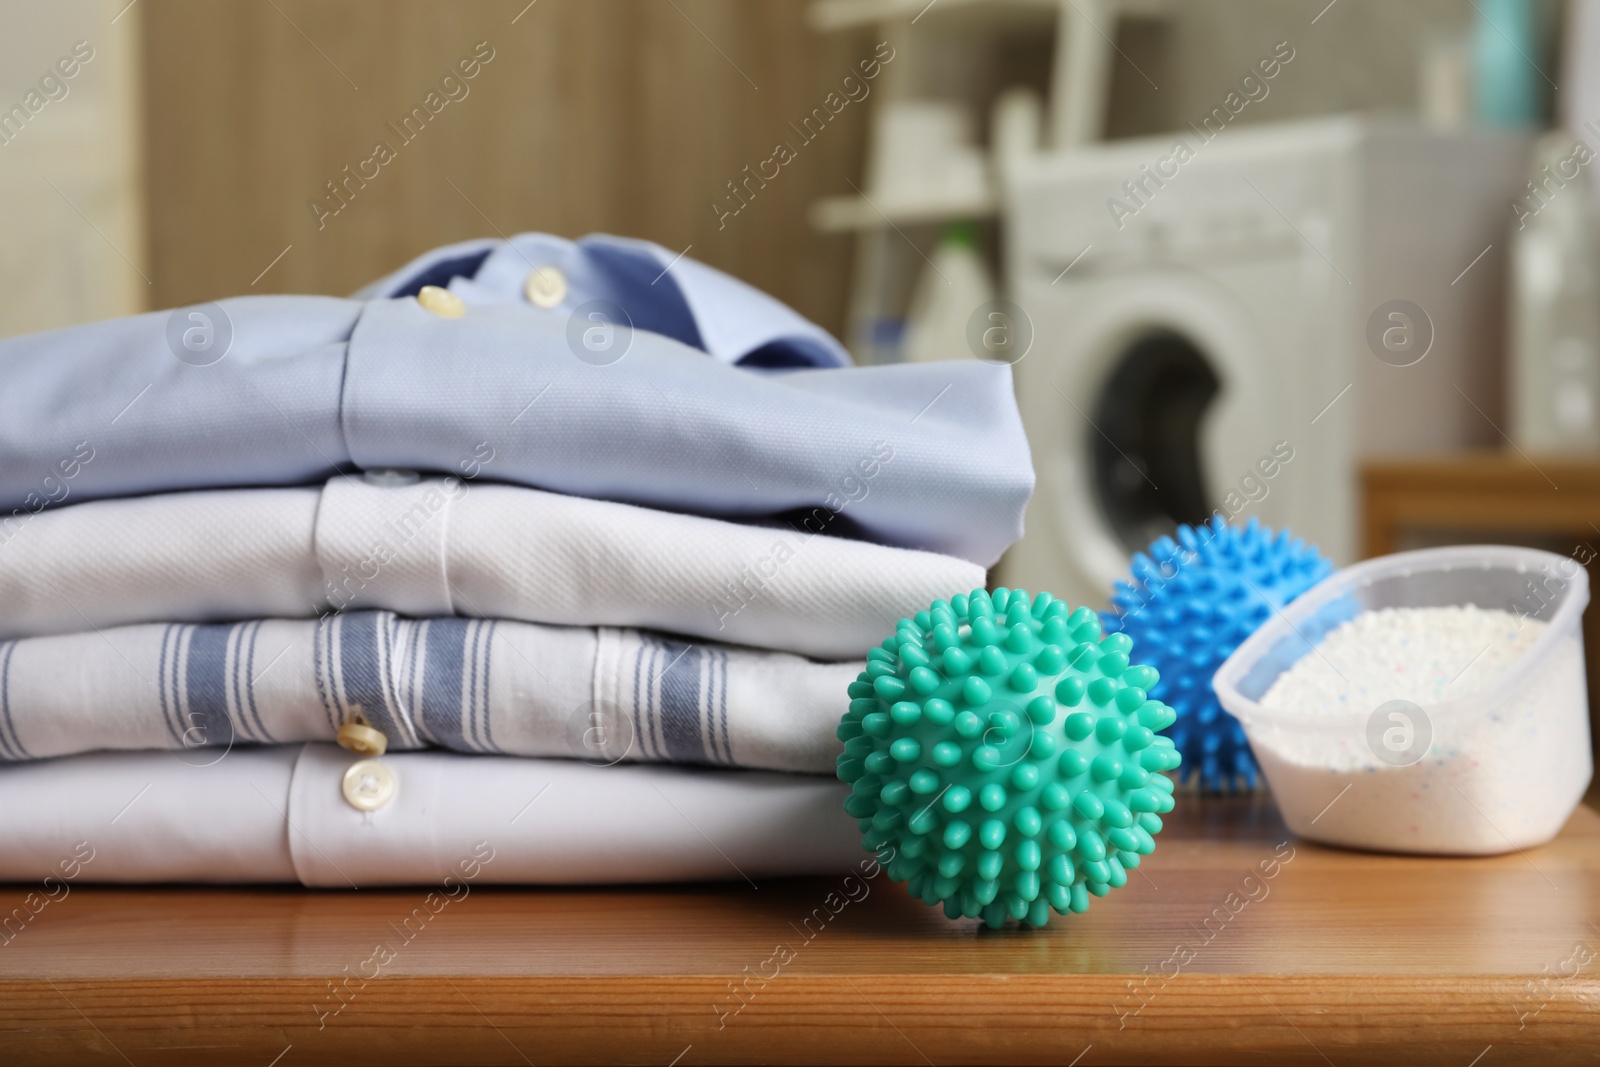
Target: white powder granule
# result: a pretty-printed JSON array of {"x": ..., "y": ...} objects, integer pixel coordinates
[
  {"x": 1499, "y": 771},
  {"x": 1425, "y": 655}
]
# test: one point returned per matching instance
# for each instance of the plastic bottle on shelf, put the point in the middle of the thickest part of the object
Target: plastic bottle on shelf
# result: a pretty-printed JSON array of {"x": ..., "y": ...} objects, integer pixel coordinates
[
  {"x": 1506, "y": 63},
  {"x": 955, "y": 284},
  {"x": 1555, "y": 307}
]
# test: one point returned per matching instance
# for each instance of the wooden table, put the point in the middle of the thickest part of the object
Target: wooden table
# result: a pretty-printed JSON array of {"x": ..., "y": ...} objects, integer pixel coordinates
[{"x": 1336, "y": 958}]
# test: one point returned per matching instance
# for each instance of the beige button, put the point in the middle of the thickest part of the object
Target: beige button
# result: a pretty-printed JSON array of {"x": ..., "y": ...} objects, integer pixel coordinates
[
  {"x": 442, "y": 302},
  {"x": 546, "y": 287},
  {"x": 369, "y": 785},
  {"x": 362, "y": 739}
]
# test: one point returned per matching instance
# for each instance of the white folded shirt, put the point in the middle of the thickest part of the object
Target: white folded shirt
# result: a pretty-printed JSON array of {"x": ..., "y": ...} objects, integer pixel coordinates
[
  {"x": 453, "y": 547},
  {"x": 278, "y": 814},
  {"x": 602, "y": 695}
]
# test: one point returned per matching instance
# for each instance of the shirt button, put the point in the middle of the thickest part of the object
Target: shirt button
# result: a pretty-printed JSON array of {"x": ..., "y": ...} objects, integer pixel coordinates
[
  {"x": 442, "y": 302},
  {"x": 362, "y": 739},
  {"x": 369, "y": 785},
  {"x": 546, "y": 287}
]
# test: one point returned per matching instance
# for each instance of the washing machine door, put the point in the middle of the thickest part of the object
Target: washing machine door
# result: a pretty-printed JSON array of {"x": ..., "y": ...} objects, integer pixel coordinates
[{"x": 1146, "y": 395}]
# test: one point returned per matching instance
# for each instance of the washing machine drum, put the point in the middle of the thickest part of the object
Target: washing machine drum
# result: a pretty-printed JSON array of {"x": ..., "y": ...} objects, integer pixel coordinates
[
  {"x": 1144, "y": 450},
  {"x": 1147, "y": 393}
]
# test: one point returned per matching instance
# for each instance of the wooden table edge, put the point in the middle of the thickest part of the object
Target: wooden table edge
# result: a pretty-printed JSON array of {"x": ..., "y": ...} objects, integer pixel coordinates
[{"x": 805, "y": 1018}]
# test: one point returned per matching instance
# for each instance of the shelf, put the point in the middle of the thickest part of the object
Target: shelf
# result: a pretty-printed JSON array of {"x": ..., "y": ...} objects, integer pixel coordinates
[
  {"x": 840, "y": 214},
  {"x": 831, "y": 15}
]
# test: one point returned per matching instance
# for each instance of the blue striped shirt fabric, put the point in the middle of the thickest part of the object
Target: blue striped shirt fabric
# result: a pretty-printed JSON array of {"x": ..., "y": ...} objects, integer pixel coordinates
[{"x": 604, "y": 695}]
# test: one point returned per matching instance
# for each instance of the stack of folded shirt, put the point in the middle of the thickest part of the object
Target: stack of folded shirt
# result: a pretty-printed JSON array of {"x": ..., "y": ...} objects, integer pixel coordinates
[{"x": 598, "y": 612}]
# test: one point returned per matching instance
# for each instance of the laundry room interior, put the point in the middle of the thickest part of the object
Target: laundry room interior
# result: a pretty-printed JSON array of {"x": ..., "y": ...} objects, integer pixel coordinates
[
  {"x": 1337, "y": 276},
  {"x": 1333, "y": 271},
  {"x": 785, "y": 502}
]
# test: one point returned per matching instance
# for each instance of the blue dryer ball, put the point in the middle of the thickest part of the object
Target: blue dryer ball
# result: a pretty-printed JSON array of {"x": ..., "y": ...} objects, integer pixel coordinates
[{"x": 1190, "y": 604}]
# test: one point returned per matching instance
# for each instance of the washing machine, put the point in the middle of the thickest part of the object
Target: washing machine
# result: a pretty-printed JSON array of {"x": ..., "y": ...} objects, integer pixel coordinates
[{"x": 1230, "y": 324}]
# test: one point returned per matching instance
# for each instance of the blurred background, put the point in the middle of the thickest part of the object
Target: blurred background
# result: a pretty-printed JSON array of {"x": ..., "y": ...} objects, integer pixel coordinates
[
  {"x": 211, "y": 125},
  {"x": 1331, "y": 265}
]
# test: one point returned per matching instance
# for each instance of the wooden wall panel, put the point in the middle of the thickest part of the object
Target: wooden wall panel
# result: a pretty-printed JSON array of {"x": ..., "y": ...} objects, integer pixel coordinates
[{"x": 626, "y": 116}]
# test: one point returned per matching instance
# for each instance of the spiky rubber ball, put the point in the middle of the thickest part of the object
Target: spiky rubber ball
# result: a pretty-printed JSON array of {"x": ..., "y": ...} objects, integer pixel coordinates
[
  {"x": 1191, "y": 602},
  {"x": 1002, "y": 755}
]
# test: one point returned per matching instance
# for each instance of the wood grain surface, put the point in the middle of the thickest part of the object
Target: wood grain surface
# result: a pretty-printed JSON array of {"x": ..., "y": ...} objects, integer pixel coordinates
[
  {"x": 1297, "y": 954},
  {"x": 594, "y": 115},
  {"x": 1500, "y": 492}
]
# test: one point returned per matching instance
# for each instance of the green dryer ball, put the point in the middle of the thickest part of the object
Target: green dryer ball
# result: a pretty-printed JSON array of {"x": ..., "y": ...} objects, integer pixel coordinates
[{"x": 1003, "y": 758}]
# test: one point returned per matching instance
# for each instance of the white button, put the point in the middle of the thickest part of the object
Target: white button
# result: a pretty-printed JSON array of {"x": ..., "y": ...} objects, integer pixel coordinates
[
  {"x": 546, "y": 287},
  {"x": 390, "y": 479},
  {"x": 442, "y": 302},
  {"x": 369, "y": 785}
]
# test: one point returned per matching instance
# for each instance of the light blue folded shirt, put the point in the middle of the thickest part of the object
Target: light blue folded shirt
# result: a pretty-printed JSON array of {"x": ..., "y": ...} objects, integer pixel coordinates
[{"x": 929, "y": 456}]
